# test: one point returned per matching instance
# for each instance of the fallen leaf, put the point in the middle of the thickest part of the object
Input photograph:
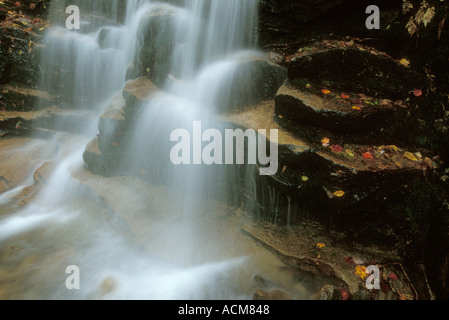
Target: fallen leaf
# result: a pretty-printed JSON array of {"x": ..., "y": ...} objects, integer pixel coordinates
[
  {"x": 360, "y": 271},
  {"x": 417, "y": 92},
  {"x": 320, "y": 245},
  {"x": 336, "y": 148},
  {"x": 404, "y": 62},
  {"x": 339, "y": 193},
  {"x": 308, "y": 86},
  {"x": 350, "y": 153},
  {"x": 410, "y": 156},
  {"x": 356, "y": 108},
  {"x": 325, "y": 142},
  {"x": 344, "y": 294},
  {"x": 325, "y": 91},
  {"x": 344, "y": 96},
  {"x": 304, "y": 178},
  {"x": 393, "y": 276},
  {"x": 367, "y": 155},
  {"x": 394, "y": 147}
]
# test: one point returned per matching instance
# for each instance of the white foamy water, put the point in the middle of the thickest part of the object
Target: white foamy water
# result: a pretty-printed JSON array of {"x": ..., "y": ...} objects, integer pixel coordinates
[{"x": 65, "y": 225}]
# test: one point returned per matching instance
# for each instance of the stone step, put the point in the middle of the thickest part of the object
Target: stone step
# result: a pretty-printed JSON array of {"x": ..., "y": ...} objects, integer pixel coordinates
[
  {"x": 312, "y": 248},
  {"x": 328, "y": 176},
  {"x": 348, "y": 66},
  {"x": 14, "y": 98},
  {"x": 337, "y": 112},
  {"x": 14, "y": 123}
]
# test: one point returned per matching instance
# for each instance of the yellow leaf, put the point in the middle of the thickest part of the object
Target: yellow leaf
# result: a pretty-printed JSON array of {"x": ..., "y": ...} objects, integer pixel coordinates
[
  {"x": 356, "y": 108},
  {"x": 320, "y": 245},
  {"x": 304, "y": 178},
  {"x": 410, "y": 156},
  {"x": 308, "y": 86},
  {"x": 360, "y": 271},
  {"x": 394, "y": 148},
  {"x": 339, "y": 193},
  {"x": 404, "y": 62},
  {"x": 350, "y": 153}
]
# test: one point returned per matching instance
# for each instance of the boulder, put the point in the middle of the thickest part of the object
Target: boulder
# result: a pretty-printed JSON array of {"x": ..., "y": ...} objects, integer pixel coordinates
[{"x": 155, "y": 43}]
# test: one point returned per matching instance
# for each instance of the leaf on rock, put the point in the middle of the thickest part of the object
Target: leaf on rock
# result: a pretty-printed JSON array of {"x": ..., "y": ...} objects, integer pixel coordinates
[
  {"x": 360, "y": 271},
  {"x": 325, "y": 142},
  {"x": 339, "y": 193},
  {"x": 393, "y": 276},
  {"x": 320, "y": 245},
  {"x": 410, "y": 156},
  {"x": 350, "y": 153},
  {"x": 357, "y": 108},
  {"x": 325, "y": 91},
  {"x": 404, "y": 62},
  {"x": 344, "y": 294},
  {"x": 367, "y": 155},
  {"x": 344, "y": 96},
  {"x": 417, "y": 92},
  {"x": 336, "y": 148}
]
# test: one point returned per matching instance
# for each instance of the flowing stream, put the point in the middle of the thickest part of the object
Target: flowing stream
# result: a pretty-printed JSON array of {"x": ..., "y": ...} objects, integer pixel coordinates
[{"x": 184, "y": 257}]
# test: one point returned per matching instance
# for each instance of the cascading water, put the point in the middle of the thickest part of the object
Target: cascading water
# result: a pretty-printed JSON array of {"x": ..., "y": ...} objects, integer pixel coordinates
[{"x": 86, "y": 69}]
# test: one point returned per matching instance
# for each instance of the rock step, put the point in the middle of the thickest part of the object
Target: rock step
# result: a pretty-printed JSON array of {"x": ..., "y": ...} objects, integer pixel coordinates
[
  {"x": 348, "y": 66},
  {"x": 14, "y": 98},
  {"x": 342, "y": 112},
  {"x": 311, "y": 248},
  {"x": 25, "y": 122},
  {"x": 328, "y": 176}
]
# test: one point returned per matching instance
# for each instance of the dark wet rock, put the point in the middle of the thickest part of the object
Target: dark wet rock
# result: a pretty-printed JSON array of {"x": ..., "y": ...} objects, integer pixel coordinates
[
  {"x": 253, "y": 80},
  {"x": 328, "y": 292},
  {"x": 354, "y": 112},
  {"x": 112, "y": 124},
  {"x": 354, "y": 68},
  {"x": 14, "y": 98},
  {"x": 156, "y": 40},
  {"x": 20, "y": 53}
]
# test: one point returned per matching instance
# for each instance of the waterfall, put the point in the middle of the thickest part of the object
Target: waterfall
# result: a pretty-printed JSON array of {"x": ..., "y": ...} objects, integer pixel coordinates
[{"x": 86, "y": 69}]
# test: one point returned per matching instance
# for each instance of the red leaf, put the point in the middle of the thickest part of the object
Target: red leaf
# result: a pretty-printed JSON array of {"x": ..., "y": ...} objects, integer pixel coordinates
[
  {"x": 336, "y": 148},
  {"x": 349, "y": 260},
  {"x": 344, "y": 294},
  {"x": 344, "y": 96},
  {"x": 367, "y": 155},
  {"x": 417, "y": 92},
  {"x": 17, "y": 4},
  {"x": 393, "y": 276}
]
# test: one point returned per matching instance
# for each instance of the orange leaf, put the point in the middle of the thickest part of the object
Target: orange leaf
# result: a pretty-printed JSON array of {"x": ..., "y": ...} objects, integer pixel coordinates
[
  {"x": 325, "y": 142},
  {"x": 356, "y": 108},
  {"x": 344, "y": 96},
  {"x": 325, "y": 91},
  {"x": 367, "y": 155},
  {"x": 417, "y": 92}
]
